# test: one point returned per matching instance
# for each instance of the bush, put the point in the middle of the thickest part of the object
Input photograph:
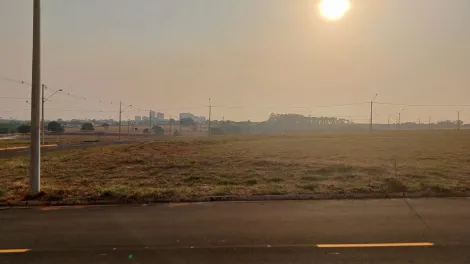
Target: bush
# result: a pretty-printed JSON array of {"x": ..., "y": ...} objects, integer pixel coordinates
[
  {"x": 55, "y": 126},
  {"x": 87, "y": 127},
  {"x": 158, "y": 130},
  {"x": 24, "y": 129},
  {"x": 187, "y": 122},
  {"x": 217, "y": 131}
]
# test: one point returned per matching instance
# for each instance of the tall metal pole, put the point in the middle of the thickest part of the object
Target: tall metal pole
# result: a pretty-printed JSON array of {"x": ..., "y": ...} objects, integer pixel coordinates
[
  {"x": 35, "y": 147},
  {"x": 210, "y": 110},
  {"x": 371, "y": 105},
  {"x": 399, "y": 120},
  {"x": 128, "y": 129},
  {"x": 458, "y": 120},
  {"x": 120, "y": 112},
  {"x": 42, "y": 115},
  {"x": 370, "y": 122}
]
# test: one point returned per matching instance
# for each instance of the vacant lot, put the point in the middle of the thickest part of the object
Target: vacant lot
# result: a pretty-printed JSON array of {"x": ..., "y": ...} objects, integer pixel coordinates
[
  {"x": 22, "y": 141},
  {"x": 436, "y": 161}
]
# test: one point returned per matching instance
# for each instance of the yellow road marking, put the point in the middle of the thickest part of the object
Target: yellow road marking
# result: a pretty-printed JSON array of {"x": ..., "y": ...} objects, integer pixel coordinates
[
  {"x": 19, "y": 250},
  {"x": 419, "y": 244}
]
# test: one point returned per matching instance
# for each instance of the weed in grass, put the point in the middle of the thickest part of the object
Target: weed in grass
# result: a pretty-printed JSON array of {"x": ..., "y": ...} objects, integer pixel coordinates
[
  {"x": 113, "y": 192},
  {"x": 309, "y": 186},
  {"x": 226, "y": 182},
  {"x": 275, "y": 179},
  {"x": 192, "y": 178},
  {"x": 309, "y": 178},
  {"x": 392, "y": 185},
  {"x": 251, "y": 182}
]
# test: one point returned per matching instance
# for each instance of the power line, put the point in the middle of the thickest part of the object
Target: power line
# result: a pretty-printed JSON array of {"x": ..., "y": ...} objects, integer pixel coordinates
[
  {"x": 292, "y": 107},
  {"x": 16, "y": 110},
  {"x": 424, "y": 105},
  {"x": 14, "y": 98}
]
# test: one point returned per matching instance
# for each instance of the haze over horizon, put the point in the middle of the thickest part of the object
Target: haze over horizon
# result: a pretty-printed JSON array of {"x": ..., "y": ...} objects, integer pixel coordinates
[{"x": 261, "y": 56}]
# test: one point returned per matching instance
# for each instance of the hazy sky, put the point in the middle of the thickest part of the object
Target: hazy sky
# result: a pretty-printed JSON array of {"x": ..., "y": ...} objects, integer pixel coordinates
[{"x": 259, "y": 55}]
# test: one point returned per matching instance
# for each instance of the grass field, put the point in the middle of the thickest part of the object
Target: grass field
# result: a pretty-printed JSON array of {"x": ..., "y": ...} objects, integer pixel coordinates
[
  {"x": 53, "y": 139},
  {"x": 334, "y": 163},
  {"x": 167, "y": 128}
]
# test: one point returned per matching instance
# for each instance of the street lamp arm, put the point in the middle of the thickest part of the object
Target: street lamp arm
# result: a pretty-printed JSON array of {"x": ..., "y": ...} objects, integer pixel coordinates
[
  {"x": 45, "y": 100},
  {"x": 129, "y": 106}
]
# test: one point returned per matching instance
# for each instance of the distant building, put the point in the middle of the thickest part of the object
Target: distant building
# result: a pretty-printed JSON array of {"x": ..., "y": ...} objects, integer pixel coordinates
[
  {"x": 197, "y": 119},
  {"x": 160, "y": 116},
  {"x": 152, "y": 115},
  {"x": 187, "y": 115},
  {"x": 201, "y": 119},
  {"x": 138, "y": 118},
  {"x": 145, "y": 118}
]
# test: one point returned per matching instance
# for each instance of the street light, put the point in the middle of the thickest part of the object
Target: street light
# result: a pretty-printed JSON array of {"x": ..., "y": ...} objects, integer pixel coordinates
[
  {"x": 371, "y": 104},
  {"x": 399, "y": 118},
  {"x": 43, "y": 101},
  {"x": 35, "y": 144},
  {"x": 120, "y": 113}
]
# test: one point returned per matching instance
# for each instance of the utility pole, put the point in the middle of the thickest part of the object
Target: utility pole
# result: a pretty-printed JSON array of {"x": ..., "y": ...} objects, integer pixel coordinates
[
  {"x": 458, "y": 120},
  {"x": 150, "y": 120},
  {"x": 371, "y": 105},
  {"x": 429, "y": 123},
  {"x": 210, "y": 110},
  {"x": 399, "y": 118},
  {"x": 44, "y": 100},
  {"x": 370, "y": 121},
  {"x": 310, "y": 123},
  {"x": 42, "y": 115},
  {"x": 120, "y": 112},
  {"x": 180, "y": 123},
  {"x": 128, "y": 129},
  {"x": 35, "y": 144}
]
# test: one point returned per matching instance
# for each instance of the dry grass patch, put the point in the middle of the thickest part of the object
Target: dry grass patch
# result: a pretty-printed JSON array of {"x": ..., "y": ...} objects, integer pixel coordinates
[{"x": 319, "y": 163}]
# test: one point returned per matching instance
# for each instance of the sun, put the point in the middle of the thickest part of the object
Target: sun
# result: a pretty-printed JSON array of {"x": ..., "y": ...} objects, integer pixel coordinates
[{"x": 334, "y": 9}]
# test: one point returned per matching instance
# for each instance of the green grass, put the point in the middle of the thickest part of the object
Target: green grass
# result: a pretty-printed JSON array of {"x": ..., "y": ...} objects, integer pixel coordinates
[{"x": 333, "y": 163}]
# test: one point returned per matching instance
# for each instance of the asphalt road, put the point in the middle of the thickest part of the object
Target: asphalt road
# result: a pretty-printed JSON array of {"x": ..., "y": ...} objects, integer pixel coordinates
[{"x": 361, "y": 231}]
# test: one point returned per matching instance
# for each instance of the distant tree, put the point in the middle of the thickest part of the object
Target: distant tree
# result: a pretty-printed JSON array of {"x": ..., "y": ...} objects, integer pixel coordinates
[
  {"x": 87, "y": 127},
  {"x": 187, "y": 122},
  {"x": 105, "y": 126},
  {"x": 158, "y": 130},
  {"x": 217, "y": 131},
  {"x": 232, "y": 129},
  {"x": 55, "y": 126},
  {"x": 24, "y": 129}
]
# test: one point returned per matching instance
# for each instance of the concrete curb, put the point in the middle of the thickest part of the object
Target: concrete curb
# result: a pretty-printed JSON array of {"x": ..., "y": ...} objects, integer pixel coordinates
[{"x": 283, "y": 197}]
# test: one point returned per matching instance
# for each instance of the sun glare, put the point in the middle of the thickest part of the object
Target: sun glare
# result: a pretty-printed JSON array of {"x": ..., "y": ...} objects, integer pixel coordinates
[{"x": 334, "y": 9}]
